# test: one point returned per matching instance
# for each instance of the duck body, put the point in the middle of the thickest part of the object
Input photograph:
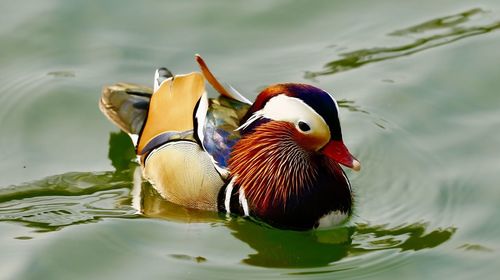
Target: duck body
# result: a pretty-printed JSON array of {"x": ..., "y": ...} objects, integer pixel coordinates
[
  {"x": 276, "y": 159},
  {"x": 318, "y": 204}
]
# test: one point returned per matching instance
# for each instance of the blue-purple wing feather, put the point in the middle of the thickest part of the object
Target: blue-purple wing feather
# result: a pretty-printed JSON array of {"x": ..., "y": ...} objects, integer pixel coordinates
[{"x": 220, "y": 135}]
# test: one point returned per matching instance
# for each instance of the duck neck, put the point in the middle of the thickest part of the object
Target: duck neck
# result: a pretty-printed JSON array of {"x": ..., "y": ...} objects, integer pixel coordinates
[
  {"x": 283, "y": 183},
  {"x": 270, "y": 166}
]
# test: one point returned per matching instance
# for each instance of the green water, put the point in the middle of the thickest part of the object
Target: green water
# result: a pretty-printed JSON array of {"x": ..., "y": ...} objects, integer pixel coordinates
[{"x": 420, "y": 86}]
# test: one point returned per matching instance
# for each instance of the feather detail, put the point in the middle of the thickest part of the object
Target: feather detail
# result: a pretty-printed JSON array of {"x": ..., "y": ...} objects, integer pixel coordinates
[
  {"x": 231, "y": 93},
  {"x": 126, "y": 105},
  {"x": 172, "y": 106},
  {"x": 270, "y": 166},
  {"x": 222, "y": 119},
  {"x": 253, "y": 118}
]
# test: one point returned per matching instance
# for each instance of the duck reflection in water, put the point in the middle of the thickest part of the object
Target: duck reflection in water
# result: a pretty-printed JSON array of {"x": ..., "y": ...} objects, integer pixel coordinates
[
  {"x": 293, "y": 249},
  {"x": 271, "y": 247},
  {"x": 274, "y": 247}
]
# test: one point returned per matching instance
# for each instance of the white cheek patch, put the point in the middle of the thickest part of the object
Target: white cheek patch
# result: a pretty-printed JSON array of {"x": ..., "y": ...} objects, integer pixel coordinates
[
  {"x": 285, "y": 108},
  {"x": 291, "y": 109}
]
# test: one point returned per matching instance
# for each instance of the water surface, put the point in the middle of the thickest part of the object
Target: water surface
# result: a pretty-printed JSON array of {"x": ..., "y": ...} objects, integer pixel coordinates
[{"x": 419, "y": 89}]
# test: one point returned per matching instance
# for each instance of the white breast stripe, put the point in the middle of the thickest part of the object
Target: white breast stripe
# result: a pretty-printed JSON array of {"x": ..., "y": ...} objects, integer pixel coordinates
[
  {"x": 227, "y": 199},
  {"x": 243, "y": 202},
  {"x": 200, "y": 116},
  {"x": 347, "y": 180}
]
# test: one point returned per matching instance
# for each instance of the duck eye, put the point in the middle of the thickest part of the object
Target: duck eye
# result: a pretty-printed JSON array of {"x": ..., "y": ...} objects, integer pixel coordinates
[{"x": 303, "y": 126}]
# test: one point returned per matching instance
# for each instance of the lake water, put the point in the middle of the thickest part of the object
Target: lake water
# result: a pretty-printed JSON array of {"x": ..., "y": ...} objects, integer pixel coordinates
[{"x": 419, "y": 83}]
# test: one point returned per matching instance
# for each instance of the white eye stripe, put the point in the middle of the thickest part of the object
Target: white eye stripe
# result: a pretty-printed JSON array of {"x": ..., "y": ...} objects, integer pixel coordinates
[
  {"x": 291, "y": 109},
  {"x": 295, "y": 110},
  {"x": 285, "y": 108}
]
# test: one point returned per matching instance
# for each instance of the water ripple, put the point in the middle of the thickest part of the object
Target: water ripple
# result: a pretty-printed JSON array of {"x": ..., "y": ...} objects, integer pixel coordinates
[
  {"x": 67, "y": 199},
  {"x": 377, "y": 239},
  {"x": 444, "y": 30}
]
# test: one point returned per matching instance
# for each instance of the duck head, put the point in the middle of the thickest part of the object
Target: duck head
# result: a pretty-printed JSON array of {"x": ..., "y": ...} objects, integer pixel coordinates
[{"x": 287, "y": 160}]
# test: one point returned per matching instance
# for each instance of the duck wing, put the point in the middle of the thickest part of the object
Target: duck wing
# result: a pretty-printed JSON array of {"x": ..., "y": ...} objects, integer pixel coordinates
[
  {"x": 220, "y": 132},
  {"x": 221, "y": 118},
  {"x": 213, "y": 124},
  {"x": 172, "y": 107},
  {"x": 126, "y": 105}
]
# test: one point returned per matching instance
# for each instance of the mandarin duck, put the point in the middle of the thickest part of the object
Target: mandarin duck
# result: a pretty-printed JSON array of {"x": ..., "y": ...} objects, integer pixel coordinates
[{"x": 277, "y": 160}]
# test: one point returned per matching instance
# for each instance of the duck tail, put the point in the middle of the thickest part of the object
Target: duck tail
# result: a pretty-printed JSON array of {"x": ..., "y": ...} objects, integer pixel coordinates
[{"x": 126, "y": 106}]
